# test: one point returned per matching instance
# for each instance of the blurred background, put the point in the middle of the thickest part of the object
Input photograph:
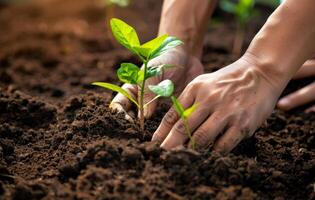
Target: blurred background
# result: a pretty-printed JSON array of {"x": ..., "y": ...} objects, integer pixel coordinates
[{"x": 56, "y": 48}]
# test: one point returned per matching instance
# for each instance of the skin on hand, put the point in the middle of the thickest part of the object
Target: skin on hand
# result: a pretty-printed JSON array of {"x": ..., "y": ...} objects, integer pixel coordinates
[
  {"x": 184, "y": 69},
  {"x": 304, "y": 95},
  {"x": 232, "y": 104}
]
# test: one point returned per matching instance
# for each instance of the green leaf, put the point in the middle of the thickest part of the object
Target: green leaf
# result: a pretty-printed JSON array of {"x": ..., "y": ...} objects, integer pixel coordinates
[
  {"x": 116, "y": 89},
  {"x": 146, "y": 49},
  {"x": 157, "y": 70},
  {"x": 144, "y": 52},
  {"x": 167, "y": 44},
  {"x": 178, "y": 106},
  {"x": 128, "y": 73},
  {"x": 155, "y": 43},
  {"x": 190, "y": 110},
  {"x": 270, "y": 3},
  {"x": 228, "y": 6},
  {"x": 121, "y": 3},
  {"x": 163, "y": 89},
  {"x": 125, "y": 34},
  {"x": 140, "y": 76}
]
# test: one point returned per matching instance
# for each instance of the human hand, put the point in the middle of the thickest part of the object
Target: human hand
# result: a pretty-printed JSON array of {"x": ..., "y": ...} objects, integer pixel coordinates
[
  {"x": 233, "y": 102},
  {"x": 304, "y": 95},
  {"x": 184, "y": 68}
]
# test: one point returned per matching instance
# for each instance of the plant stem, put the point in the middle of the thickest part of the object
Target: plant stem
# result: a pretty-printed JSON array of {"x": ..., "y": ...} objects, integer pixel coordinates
[
  {"x": 187, "y": 129},
  {"x": 141, "y": 100},
  {"x": 155, "y": 98},
  {"x": 239, "y": 39}
]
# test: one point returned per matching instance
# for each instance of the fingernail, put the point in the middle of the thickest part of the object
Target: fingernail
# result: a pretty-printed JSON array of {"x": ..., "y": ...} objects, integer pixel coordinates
[
  {"x": 310, "y": 110},
  {"x": 116, "y": 107},
  {"x": 127, "y": 117},
  {"x": 283, "y": 102}
]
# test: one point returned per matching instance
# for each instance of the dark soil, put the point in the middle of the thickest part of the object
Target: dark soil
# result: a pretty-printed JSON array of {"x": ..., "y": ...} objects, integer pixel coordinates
[{"x": 59, "y": 140}]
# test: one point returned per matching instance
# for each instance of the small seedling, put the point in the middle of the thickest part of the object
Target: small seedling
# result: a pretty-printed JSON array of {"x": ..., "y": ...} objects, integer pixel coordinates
[
  {"x": 184, "y": 115},
  {"x": 132, "y": 74},
  {"x": 244, "y": 11},
  {"x": 120, "y": 3}
]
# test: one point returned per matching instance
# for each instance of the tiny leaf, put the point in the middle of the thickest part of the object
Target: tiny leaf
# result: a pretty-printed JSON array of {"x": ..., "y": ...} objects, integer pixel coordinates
[
  {"x": 164, "y": 88},
  {"x": 146, "y": 49},
  {"x": 157, "y": 70},
  {"x": 190, "y": 110},
  {"x": 128, "y": 73},
  {"x": 167, "y": 44},
  {"x": 116, "y": 89},
  {"x": 144, "y": 52},
  {"x": 155, "y": 43},
  {"x": 121, "y": 3},
  {"x": 178, "y": 106},
  {"x": 125, "y": 34},
  {"x": 228, "y": 6}
]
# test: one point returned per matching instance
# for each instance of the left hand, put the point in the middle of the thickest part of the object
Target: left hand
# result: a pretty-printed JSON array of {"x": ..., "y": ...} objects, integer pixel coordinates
[{"x": 304, "y": 95}]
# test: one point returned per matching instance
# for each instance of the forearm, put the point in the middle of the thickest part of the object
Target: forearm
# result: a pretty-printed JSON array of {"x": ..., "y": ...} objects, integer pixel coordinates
[
  {"x": 286, "y": 41},
  {"x": 187, "y": 20}
]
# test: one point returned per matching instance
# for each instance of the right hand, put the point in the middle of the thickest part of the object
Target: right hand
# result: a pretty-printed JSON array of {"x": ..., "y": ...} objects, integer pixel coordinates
[
  {"x": 233, "y": 102},
  {"x": 185, "y": 68}
]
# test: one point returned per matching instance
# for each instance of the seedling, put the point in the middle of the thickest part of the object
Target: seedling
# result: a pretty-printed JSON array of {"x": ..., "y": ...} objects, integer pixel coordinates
[
  {"x": 120, "y": 3},
  {"x": 132, "y": 74},
  {"x": 244, "y": 11},
  {"x": 184, "y": 115}
]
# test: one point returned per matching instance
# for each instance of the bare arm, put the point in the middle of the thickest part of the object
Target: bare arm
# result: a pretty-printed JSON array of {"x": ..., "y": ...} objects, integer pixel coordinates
[
  {"x": 286, "y": 41},
  {"x": 234, "y": 101},
  {"x": 187, "y": 20}
]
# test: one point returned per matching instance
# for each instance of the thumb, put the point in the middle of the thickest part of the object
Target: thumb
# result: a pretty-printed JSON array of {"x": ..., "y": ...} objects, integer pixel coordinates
[{"x": 120, "y": 103}]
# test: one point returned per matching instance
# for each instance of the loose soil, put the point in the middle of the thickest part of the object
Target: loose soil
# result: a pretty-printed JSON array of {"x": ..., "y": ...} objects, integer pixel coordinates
[{"x": 59, "y": 140}]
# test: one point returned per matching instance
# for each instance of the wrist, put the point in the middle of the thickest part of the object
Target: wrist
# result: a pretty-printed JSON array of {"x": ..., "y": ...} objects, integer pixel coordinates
[{"x": 268, "y": 69}]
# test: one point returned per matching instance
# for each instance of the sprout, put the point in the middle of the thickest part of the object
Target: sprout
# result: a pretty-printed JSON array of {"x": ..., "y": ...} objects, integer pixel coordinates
[
  {"x": 244, "y": 11},
  {"x": 184, "y": 115},
  {"x": 132, "y": 74}
]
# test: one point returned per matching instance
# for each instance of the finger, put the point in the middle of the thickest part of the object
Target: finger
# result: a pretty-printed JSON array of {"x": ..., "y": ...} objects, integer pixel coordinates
[
  {"x": 171, "y": 117},
  {"x": 307, "y": 70},
  {"x": 311, "y": 109},
  {"x": 120, "y": 103},
  {"x": 208, "y": 131},
  {"x": 228, "y": 141},
  {"x": 298, "y": 98},
  {"x": 179, "y": 133}
]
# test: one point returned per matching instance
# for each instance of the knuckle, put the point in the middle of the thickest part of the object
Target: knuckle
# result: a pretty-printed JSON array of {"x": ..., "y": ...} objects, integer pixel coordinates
[
  {"x": 180, "y": 128},
  {"x": 158, "y": 137},
  {"x": 246, "y": 132},
  {"x": 192, "y": 86},
  {"x": 170, "y": 118},
  {"x": 245, "y": 129},
  {"x": 201, "y": 137}
]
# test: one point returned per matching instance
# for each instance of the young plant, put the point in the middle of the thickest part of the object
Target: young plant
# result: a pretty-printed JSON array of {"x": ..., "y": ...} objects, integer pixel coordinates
[
  {"x": 132, "y": 74},
  {"x": 120, "y": 3},
  {"x": 243, "y": 11},
  {"x": 184, "y": 115}
]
